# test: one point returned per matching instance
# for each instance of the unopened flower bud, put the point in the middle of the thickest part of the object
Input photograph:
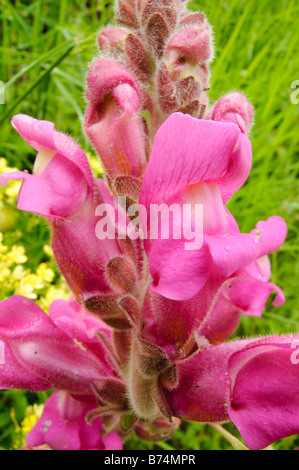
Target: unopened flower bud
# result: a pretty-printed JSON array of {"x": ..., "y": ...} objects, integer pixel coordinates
[
  {"x": 235, "y": 108},
  {"x": 112, "y": 38},
  {"x": 167, "y": 9},
  {"x": 113, "y": 122},
  {"x": 192, "y": 44}
]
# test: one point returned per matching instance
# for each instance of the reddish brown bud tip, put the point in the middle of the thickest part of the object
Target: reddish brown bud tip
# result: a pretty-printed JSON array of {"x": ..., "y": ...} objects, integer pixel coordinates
[
  {"x": 121, "y": 274},
  {"x": 126, "y": 13},
  {"x": 195, "y": 19},
  {"x": 157, "y": 33},
  {"x": 138, "y": 57}
]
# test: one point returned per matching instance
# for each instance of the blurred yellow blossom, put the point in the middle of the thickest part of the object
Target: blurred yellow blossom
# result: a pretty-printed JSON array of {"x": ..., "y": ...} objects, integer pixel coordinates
[
  {"x": 47, "y": 274},
  {"x": 32, "y": 415},
  {"x": 12, "y": 189},
  {"x": 54, "y": 293},
  {"x": 17, "y": 255},
  {"x": 96, "y": 165},
  {"x": 48, "y": 250}
]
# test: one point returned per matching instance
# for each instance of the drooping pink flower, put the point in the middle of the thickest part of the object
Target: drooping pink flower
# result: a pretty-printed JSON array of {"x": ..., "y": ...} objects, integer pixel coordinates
[
  {"x": 62, "y": 190},
  {"x": 61, "y": 351},
  {"x": 252, "y": 382},
  {"x": 215, "y": 311},
  {"x": 42, "y": 352},
  {"x": 63, "y": 426}
]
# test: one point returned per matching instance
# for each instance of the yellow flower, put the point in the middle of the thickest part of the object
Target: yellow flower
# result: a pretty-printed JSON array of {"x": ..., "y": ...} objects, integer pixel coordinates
[
  {"x": 12, "y": 189},
  {"x": 32, "y": 415},
  {"x": 48, "y": 250},
  {"x": 17, "y": 255},
  {"x": 18, "y": 273},
  {"x": 28, "y": 285},
  {"x": 45, "y": 273},
  {"x": 54, "y": 293},
  {"x": 96, "y": 165}
]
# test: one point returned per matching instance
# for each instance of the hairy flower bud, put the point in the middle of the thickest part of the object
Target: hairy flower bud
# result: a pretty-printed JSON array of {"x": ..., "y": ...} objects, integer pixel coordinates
[
  {"x": 166, "y": 9},
  {"x": 113, "y": 122},
  {"x": 192, "y": 44},
  {"x": 235, "y": 108}
]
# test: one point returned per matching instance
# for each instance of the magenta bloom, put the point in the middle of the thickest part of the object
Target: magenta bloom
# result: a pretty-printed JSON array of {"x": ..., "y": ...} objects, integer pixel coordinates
[
  {"x": 63, "y": 426},
  {"x": 62, "y": 190},
  {"x": 251, "y": 382},
  {"x": 201, "y": 162},
  {"x": 59, "y": 351}
]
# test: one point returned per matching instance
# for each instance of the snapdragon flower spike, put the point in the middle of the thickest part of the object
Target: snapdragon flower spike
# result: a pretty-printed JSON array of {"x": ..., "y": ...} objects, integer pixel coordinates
[
  {"x": 63, "y": 191},
  {"x": 113, "y": 122},
  {"x": 197, "y": 162},
  {"x": 242, "y": 381}
]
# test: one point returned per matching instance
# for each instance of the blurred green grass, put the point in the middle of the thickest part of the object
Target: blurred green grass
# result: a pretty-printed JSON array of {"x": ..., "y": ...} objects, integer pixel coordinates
[{"x": 45, "y": 48}]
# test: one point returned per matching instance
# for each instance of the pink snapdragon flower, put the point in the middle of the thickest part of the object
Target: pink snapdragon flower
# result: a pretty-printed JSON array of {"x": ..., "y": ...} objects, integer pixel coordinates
[
  {"x": 253, "y": 383},
  {"x": 59, "y": 351},
  {"x": 201, "y": 162},
  {"x": 63, "y": 190},
  {"x": 194, "y": 298},
  {"x": 238, "y": 381}
]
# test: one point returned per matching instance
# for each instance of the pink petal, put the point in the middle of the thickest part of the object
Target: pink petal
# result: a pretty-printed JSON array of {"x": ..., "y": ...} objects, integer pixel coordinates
[
  {"x": 112, "y": 442},
  {"x": 40, "y": 134},
  {"x": 272, "y": 234},
  {"x": 232, "y": 251},
  {"x": 178, "y": 274},
  {"x": 71, "y": 318},
  {"x": 62, "y": 425},
  {"x": 203, "y": 391},
  {"x": 188, "y": 151}
]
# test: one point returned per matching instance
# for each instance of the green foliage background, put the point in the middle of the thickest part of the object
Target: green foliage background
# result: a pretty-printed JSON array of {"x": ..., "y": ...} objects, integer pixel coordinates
[{"x": 45, "y": 48}]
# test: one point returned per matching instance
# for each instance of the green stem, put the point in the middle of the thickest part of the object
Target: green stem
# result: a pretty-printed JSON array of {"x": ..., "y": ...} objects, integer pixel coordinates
[{"x": 236, "y": 444}]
